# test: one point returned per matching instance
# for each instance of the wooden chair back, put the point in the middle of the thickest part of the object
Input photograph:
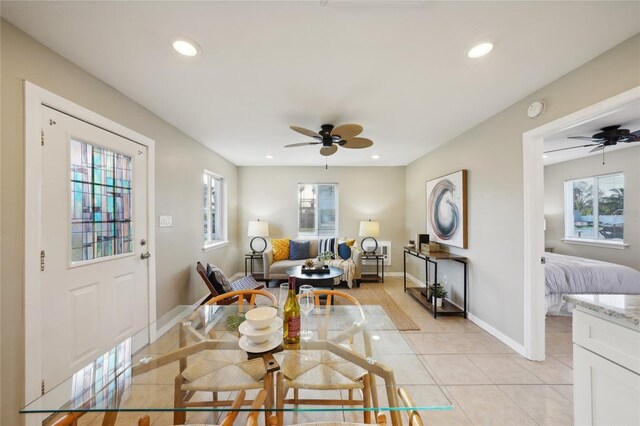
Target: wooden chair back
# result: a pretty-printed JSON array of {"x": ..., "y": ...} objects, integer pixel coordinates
[
  {"x": 332, "y": 294},
  {"x": 242, "y": 296}
]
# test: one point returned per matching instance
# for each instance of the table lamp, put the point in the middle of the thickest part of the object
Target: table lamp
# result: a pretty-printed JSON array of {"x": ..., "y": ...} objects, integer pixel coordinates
[
  {"x": 258, "y": 230},
  {"x": 369, "y": 229}
]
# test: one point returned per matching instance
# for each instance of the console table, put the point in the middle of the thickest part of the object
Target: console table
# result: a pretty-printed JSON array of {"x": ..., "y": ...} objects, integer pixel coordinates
[{"x": 421, "y": 293}]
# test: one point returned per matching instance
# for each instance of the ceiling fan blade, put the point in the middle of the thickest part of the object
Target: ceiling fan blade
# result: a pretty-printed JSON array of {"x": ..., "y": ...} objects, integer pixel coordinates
[
  {"x": 582, "y": 138},
  {"x": 571, "y": 147},
  {"x": 347, "y": 131},
  {"x": 305, "y": 132},
  {"x": 328, "y": 150},
  {"x": 301, "y": 144},
  {"x": 632, "y": 137},
  {"x": 597, "y": 148},
  {"x": 357, "y": 143}
]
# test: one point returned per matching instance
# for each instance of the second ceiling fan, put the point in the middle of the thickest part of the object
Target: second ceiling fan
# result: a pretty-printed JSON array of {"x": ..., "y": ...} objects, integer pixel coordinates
[{"x": 331, "y": 138}]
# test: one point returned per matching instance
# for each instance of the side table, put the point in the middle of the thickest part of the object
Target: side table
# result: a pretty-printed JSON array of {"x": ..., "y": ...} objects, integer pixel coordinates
[
  {"x": 248, "y": 259},
  {"x": 379, "y": 276}
]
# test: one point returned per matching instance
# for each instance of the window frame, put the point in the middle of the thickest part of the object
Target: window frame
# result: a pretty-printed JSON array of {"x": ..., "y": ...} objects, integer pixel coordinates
[
  {"x": 210, "y": 243},
  {"x": 569, "y": 213},
  {"x": 316, "y": 235}
]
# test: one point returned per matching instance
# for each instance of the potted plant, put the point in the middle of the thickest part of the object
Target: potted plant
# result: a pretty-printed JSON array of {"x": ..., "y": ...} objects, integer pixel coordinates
[
  {"x": 322, "y": 258},
  {"x": 437, "y": 293}
]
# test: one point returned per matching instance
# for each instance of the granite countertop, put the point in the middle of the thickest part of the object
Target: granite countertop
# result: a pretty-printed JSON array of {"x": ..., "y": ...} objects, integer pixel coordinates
[{"x": 624, "y": 307}]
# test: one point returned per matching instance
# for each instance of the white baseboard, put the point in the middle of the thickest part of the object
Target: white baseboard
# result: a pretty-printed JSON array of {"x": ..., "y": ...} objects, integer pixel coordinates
[
  {"x": 477, "y": 321},
  {"x": 497, "y": 334}
]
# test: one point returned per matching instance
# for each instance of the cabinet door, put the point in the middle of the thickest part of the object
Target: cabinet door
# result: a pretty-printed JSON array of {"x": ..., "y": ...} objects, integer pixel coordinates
[{"x": 604, "y": 392}]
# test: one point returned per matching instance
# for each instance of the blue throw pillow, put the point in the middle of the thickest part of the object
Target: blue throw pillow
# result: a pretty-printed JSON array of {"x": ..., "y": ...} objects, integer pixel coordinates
[
  {"x": 344, "y": 251},
  {"x": 298, "y": 250}
]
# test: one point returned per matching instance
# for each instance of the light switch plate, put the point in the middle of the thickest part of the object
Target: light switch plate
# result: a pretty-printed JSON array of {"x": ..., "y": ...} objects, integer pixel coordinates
[{"x": 165, "y": 221}]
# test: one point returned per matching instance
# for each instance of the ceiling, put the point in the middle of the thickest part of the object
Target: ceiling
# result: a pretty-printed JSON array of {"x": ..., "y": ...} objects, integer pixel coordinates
[{"x": 398, "y": 68}]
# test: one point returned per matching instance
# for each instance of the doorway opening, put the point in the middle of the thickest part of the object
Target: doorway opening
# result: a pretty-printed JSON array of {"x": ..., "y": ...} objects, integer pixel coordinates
[{"x": 533, "y": 191}]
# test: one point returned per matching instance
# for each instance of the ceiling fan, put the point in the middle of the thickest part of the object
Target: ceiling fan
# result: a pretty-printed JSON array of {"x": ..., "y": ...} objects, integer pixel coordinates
[
  {"x": 332, "y": 137},
  {"x": 608, "y": 136}
]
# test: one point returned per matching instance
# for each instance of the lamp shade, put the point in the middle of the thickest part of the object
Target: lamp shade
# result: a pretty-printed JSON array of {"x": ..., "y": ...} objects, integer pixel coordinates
[
  {"x": 258, "y": 229},
  {"x": 369, "y": 228}
]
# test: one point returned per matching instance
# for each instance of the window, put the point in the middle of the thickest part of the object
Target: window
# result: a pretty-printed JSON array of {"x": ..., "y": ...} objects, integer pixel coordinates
[
  {"x": 214, "y": 209},
  {"x": 594, "y": 208},
  {"x": 101, "y": 210},
  {"x": 317, "y": 209}
]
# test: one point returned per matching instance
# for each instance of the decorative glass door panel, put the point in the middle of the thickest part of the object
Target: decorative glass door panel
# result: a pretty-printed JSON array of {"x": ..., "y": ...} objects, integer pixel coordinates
[{"x": 101, "y": 208}]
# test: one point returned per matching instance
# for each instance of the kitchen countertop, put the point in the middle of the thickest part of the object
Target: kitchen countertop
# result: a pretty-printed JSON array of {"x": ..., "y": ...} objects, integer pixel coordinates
[{"x": 624, "y": 307}]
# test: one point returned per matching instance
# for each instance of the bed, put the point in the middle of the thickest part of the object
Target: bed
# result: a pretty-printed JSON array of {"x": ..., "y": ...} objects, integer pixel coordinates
[{"x": 577, "y": 275}]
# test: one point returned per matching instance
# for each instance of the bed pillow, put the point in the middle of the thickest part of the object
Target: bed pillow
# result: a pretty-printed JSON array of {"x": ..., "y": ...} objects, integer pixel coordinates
[
  {"x": 218, "y": 279},
  {"x": 280, "y": 248},
  {"x": 344, "y": 251},
  {"x": 298, "y": 250}
]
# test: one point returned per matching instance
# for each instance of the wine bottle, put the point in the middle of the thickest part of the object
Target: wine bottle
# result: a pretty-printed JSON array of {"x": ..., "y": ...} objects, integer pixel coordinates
[{"x": 291, "y": 312}]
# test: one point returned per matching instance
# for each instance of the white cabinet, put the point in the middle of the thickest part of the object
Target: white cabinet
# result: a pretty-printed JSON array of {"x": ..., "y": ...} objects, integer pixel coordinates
[{"x": 606, "y": 356}]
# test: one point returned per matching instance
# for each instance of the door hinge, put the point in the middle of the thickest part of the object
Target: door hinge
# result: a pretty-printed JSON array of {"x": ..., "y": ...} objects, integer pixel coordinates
[
  {"x": 543, "y": 260},
  {"x": 42, "y": 137},
  {"x": 42, "y": 387},
  {"x": 41, "y": 260}
]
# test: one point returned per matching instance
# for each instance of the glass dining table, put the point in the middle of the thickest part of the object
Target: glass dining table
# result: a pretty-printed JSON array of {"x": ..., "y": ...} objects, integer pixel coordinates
[{"x": 139, "y": 375}]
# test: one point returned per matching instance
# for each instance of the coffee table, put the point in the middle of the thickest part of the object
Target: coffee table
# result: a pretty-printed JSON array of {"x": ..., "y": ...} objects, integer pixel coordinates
[{"x": 315, "y": 280}]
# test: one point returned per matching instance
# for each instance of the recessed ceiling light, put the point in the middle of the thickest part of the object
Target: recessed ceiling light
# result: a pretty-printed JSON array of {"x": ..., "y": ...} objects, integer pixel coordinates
[
  {"x": 545, "y": 156},
  {"x": 269, "y": 156},
  {"x": 186, "y": 47},
  {"x": 480, "y": 50},
  {"x": 375, "y": 156}
]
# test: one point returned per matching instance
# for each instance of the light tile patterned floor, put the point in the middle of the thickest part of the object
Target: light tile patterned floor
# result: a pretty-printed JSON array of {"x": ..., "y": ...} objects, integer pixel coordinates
[{"x": 486, "y": 381}]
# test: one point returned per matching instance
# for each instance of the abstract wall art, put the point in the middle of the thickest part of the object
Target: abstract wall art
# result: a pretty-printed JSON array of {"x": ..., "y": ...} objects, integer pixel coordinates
[{"x": 447, "y": 209}]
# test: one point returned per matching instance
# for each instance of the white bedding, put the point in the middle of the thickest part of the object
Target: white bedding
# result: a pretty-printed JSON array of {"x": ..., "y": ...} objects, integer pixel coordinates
[{"x": 577, "y": 275}]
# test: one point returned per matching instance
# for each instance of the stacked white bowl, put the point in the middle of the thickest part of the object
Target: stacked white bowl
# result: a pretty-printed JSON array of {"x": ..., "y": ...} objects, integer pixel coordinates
[{"x": 260, "y": 325}]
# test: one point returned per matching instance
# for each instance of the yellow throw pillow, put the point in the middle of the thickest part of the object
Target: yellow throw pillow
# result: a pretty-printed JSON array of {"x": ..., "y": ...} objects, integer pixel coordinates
[
  {"x": 350, "y": 241},
  {"x": 280, "y": 248}
]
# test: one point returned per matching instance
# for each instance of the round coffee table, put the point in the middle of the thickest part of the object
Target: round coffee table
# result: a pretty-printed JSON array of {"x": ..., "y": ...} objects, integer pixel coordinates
[{"x": 315, "y": 280}]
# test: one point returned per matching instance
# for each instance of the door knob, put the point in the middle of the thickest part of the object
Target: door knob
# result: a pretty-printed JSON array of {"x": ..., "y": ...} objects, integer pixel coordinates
[{"x": 145, "y": 255}]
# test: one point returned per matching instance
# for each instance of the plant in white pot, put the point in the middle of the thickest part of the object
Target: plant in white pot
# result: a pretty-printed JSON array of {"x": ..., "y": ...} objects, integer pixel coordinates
[
  {"x": 322, "y": 258},
  {"x": 437, "y": 293}
]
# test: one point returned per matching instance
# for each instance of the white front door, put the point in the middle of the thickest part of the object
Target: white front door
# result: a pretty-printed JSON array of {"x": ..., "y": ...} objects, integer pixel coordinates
[{"x": 94, "y": 277}]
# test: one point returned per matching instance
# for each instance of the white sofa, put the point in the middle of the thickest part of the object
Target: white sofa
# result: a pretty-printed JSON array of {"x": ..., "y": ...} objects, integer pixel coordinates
[{"x": 278, "y": 270}]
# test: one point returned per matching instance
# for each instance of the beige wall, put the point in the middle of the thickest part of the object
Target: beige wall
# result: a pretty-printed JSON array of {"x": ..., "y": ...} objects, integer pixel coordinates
[
  {"x": 626, "y": 161},
  {"x": 492, "y": 153},
  {"x": 179, "y": 165},
  {"x": 271, "y": 194}
]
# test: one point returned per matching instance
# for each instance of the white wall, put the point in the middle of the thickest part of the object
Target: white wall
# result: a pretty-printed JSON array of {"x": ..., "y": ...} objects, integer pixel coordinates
[
  {"x": 626, "y": 161},
  {"x": 377, "y": 193},
  {"x": 180, "y": 162},
  {"x": 492, "y": 154}
]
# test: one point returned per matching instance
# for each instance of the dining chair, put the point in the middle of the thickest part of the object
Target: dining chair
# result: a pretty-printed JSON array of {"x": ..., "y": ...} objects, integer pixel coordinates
[
  {"x": 414, "y": 416},
  {"x": 222, "y": 370},
  {"x": 381, "y": 420},
  {"x": 231, "y": 416},
  {"x": 244, "y": 283},
  {"x": 322, "y": 370}
]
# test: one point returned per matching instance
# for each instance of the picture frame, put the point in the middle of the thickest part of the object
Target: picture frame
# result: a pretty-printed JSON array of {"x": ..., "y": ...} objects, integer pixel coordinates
[{"x": 446, "y": 203}]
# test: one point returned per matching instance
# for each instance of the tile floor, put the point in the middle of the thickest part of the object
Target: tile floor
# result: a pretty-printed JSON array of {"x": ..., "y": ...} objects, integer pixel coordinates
[{"x": 486, "y": 381}]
